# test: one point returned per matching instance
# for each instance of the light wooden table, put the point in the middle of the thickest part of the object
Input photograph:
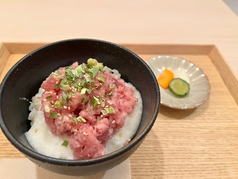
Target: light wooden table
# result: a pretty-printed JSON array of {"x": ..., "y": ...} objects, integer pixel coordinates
[
  {"x": 151, "y": 21},
  {"x": 199, "y": 143}
]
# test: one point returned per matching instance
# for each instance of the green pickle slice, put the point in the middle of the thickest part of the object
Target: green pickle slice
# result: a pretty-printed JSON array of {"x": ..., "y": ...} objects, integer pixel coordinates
[{"x": 179, "y": 87}]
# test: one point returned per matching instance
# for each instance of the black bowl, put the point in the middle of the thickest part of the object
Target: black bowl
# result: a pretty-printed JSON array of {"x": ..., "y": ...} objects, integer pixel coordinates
[{"x": 24, "y": 79}]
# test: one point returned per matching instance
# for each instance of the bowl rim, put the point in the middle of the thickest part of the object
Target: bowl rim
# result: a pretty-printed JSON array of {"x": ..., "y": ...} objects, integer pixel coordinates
[{"x": 56, "y": 161}]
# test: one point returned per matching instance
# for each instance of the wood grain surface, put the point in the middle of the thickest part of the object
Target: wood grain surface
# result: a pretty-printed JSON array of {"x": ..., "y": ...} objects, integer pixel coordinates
[{"x": 196, "y": 143}]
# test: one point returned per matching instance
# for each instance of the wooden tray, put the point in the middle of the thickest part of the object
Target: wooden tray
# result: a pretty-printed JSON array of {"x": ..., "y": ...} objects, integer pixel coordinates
[{"x": 196, "y": 143}]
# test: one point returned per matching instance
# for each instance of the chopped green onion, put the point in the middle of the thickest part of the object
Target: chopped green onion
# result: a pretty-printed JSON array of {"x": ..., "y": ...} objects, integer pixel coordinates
[
  {"x": 101, "y": 79},
  {"x": 94, "y": 70},
  {"x": 83, "y": 101},
  {"x": 74, "y": 73},
  {"x": 56, "y": 86},
  {"x": 75, "y": 120},
  {"x": 103, "y": 99},
  {"x": 54, "y": 115},
  {"x": 94, "y": 101},
  {"x": 65, "y": 143},
  {"x": 65, "y": 87},
  {"x": 83, "y": 83},
  {"x": 80, "y": 69},
  {"x": 64, "y": 84},
  {"x": 66, "y": 97},
  {"x": 103, "y": 103},
  {"x": 78, "y": 119},
  {"x": 87, "y": 78},
  {"x": 109, "y": 110},
  {"x": 63, "y": 81},
  {"x": 83, "y": 90},
  {"x": 90, "y": 90},
  {"x": 76, "y": 85},
  {"x": 69, "y": 75},
  {"x": 48, "y": 98},
  {"x": 58, "y": 104}
]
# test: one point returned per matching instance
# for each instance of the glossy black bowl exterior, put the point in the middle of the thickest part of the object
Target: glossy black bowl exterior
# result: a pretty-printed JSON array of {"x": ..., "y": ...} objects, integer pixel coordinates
[{"x": 24, "y": 79}]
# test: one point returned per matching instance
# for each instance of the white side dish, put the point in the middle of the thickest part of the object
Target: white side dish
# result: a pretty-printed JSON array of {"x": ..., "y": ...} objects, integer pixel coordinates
[{"x": 198, "y": 81}]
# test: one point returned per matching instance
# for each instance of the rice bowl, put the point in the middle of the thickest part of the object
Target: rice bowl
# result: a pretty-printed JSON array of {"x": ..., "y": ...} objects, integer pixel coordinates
[{"x": 27, "y": 75}]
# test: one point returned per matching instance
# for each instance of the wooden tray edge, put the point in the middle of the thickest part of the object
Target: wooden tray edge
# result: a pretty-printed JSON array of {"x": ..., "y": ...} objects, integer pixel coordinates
[
  {"x": 230, "y": 80},
  {"x": 22, "y": 47},
  {"x": 4, "y": 55},
  {"x": 169, "y": 49},
  {"x": 225, "y": 72}
]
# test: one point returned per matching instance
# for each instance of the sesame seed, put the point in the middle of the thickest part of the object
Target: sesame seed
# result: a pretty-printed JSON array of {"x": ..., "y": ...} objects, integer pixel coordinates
[{"x": 85, "y": 133}]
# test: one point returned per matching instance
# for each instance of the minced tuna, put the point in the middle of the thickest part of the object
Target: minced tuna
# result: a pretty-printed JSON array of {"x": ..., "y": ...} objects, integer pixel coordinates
[{"x": 85, "y": 107}]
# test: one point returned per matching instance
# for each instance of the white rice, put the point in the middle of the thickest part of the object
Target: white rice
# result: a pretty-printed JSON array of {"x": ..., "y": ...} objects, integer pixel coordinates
[
  {"x": 43, "y": 141},
  {"x": 125, "y": 134},
  {"x": 40, "y": 136}
]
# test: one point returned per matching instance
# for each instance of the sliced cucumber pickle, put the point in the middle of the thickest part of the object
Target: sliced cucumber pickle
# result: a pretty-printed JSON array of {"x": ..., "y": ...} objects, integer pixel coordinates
[{"x": 179, "y": 87}]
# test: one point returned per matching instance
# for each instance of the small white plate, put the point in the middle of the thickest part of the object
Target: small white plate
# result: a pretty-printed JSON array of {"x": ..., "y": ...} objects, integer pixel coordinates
[{"x": 198, "y": 81}]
